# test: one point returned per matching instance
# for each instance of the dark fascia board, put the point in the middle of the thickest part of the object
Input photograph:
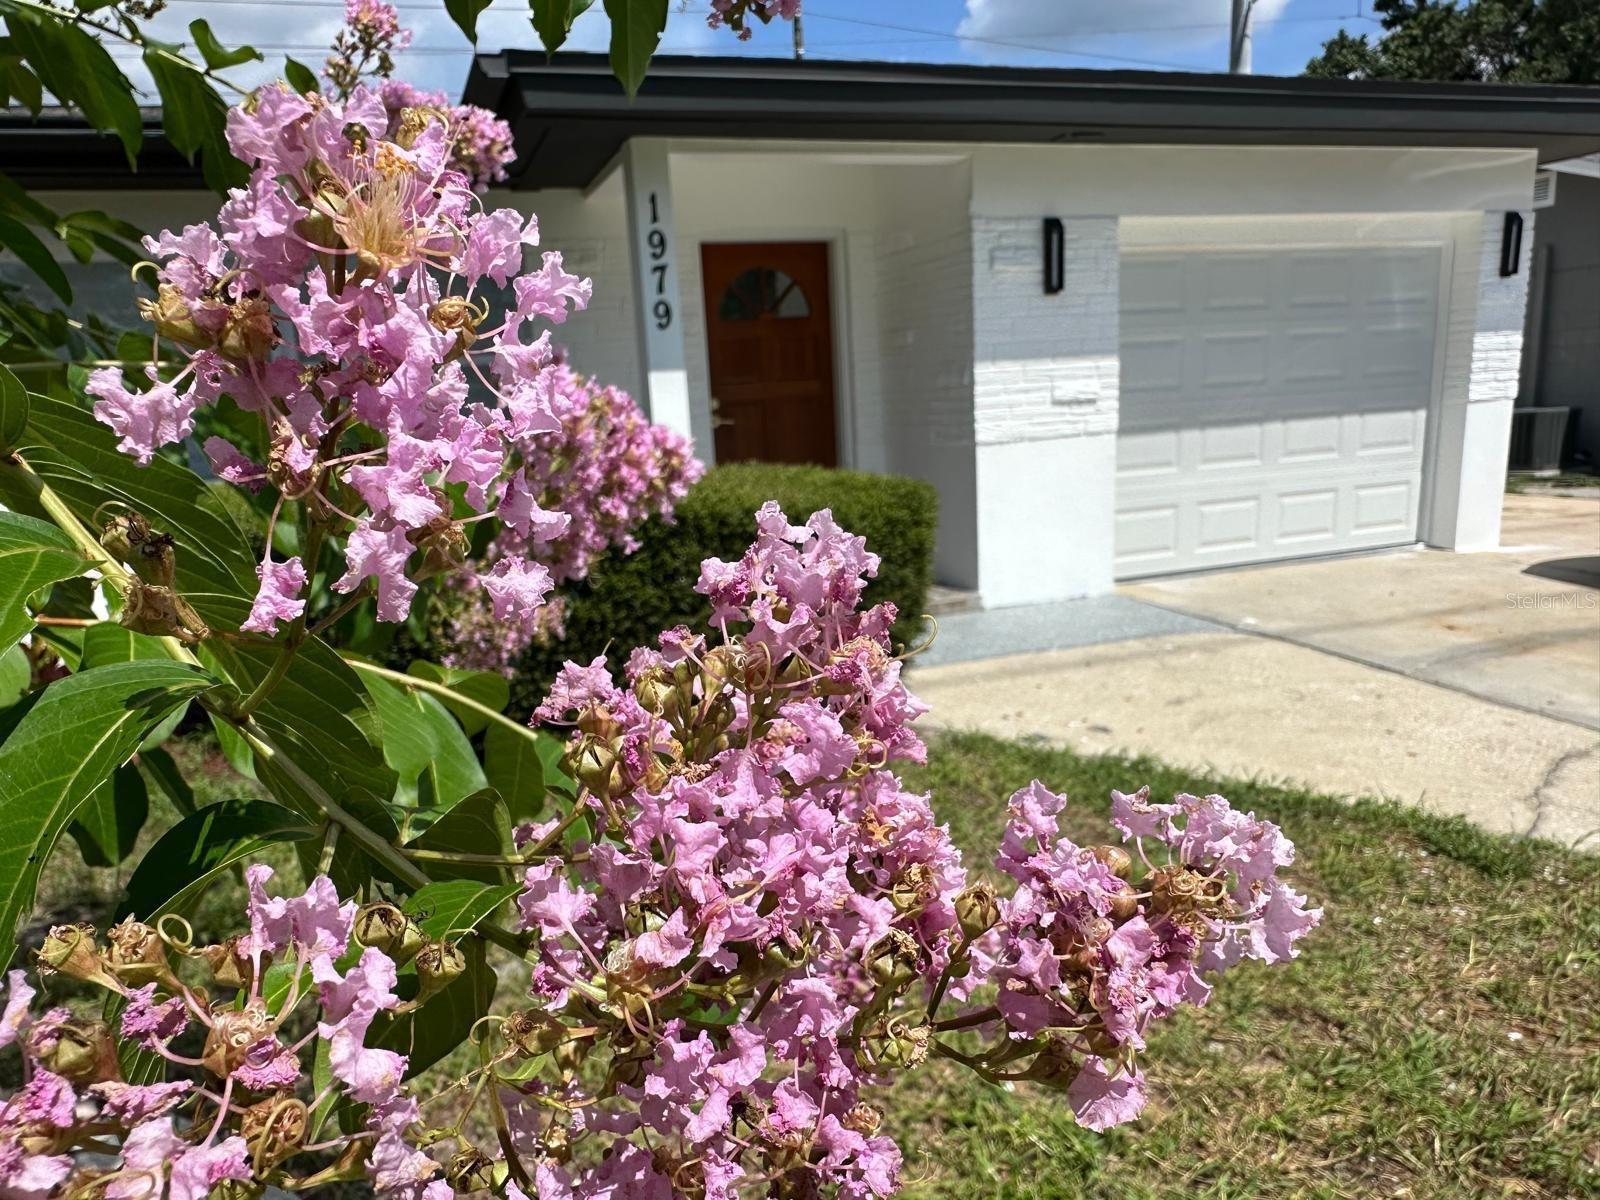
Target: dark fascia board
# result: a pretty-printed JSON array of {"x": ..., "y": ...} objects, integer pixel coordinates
[
  {"x": 59, "y": 150},
  {"x": 571, "y": 117}
]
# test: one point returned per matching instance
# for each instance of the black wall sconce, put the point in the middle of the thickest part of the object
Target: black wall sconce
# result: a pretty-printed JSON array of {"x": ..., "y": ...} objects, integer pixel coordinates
[
  {"x": 1055, "y": 250},
  {"x": 1511, "y": 245}
]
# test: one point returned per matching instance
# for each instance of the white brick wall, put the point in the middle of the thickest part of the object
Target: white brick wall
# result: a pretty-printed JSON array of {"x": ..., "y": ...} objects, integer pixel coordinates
[
  {"x": 1045, "y": 366},
  {"x": 1497, "y": 332}
]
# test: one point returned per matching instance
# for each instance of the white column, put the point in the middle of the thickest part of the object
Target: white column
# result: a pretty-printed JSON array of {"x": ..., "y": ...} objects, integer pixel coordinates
[
  {"x": 1474, "y": 432},
  {"x": 1045, "y": 397},
  {"x": 652, "y": 238}
]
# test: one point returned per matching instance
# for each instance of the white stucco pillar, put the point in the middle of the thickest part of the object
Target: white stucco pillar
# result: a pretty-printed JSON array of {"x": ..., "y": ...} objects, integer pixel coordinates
[
  {"x": 652, "y": 241},
  {"x": 1045, "y": 387},
  {"x": 1474, "y": 432}
]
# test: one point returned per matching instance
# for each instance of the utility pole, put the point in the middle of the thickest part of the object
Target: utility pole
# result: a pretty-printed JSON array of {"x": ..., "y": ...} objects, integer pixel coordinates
[
  {"x": 799, "y": 37},
  {"x": 1239, "y": 38}
]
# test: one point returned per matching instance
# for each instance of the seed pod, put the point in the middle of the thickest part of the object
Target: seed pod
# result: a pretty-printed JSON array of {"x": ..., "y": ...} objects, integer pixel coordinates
[
  {"x": 896, "y": 1046},
  {"x": 233, "y": 1032},
  {"x": 1115, "y": 857},
  {"x": 535, "y": 1033},
  {"x": 230, "y": 965},
  {"x": 1124, "y": 907},
  {"x": 82, "y": 1052},
  {"x": 863, "y": 1118},
  {"x": 893, "y": 959},
  {"x": 914, "y": 888},
  {"x": 471, "y": 1170},
  {"x": 274, "y": 1128},
  {"x": 71, "y": 950},
  {"x": 384, "y": 927},
  {"x": 137, "y": 956},
  {"x": 249, "y": 332},
  {"x": 438, "y": 965},
  {"x": 977, "y": 909}
]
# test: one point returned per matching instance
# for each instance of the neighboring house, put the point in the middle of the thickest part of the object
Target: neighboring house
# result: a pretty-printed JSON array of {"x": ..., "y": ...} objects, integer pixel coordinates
[
  {"x": 1561, "y": 355},
  {"x": 1127, "y": 323}
]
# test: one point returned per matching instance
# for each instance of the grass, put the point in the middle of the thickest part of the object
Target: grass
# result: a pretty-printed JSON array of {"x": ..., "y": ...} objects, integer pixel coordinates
[
  {"x": 1439, "y": 1037},
  {"x": 1527, "y": 482}
]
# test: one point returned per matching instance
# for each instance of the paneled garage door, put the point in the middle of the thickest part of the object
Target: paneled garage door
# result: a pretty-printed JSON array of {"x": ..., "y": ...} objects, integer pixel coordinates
[{"x": 1274, "y": 402}]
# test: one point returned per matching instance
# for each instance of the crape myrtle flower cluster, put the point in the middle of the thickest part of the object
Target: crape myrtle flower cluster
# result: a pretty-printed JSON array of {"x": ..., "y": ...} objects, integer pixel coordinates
[
  {"x": 743, "y": 929},
  {"x": 337, "y": 298},
  {"x": 607, "y": 467},
  {"x": 737, "y": 14},
  {"x": 253, "y": 1011}
]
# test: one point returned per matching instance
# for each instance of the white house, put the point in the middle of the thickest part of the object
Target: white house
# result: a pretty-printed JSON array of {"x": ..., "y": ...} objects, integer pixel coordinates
[{"x": 1128, "y": 323}]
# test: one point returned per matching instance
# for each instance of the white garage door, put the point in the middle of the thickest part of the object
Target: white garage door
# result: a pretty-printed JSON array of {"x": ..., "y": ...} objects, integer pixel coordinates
[{"x": 1274, "y": 402}]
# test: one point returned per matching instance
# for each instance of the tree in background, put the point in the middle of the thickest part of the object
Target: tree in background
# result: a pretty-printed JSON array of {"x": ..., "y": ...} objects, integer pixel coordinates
[{"x": 1490, "y": 41}]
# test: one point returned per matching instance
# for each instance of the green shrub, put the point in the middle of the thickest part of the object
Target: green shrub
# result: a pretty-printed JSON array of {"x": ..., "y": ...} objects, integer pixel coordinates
[{"x": 628, "y": 599}]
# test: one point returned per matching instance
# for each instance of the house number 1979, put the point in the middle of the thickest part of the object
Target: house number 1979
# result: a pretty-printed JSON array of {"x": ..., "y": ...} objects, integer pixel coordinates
[{"x": 656, "y": 240}]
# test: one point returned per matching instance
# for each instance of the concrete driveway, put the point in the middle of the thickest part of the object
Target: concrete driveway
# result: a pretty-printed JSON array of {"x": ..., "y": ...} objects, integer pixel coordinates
[{"x": 1468, "y": 684}]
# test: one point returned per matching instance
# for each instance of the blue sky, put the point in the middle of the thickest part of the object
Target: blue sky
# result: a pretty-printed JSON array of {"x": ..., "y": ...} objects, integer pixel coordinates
[{"x": 1181, "y": 34}]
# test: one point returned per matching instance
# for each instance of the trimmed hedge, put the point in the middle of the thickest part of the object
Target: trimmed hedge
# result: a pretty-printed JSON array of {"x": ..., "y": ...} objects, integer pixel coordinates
[{"x": 630, "y": 598}]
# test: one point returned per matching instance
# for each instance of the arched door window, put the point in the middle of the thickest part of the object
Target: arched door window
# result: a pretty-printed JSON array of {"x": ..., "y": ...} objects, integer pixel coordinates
[{"x": 763, "y": 292}]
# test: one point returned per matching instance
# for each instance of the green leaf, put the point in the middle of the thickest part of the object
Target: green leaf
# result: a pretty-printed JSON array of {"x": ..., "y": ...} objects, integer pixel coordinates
[
  {"x": 456, "y": 906},
  {"x": 176, "y": 870},
  {"x": 513, "y": 767},
  {"x": 636, "y": 27},
  {"x": 21, "y": 241},
  {"x": 33, "y": 554},
  {"x": 13, "y": 412},
  {"x": 108, "y": 642},
  {"x": 81, "y": 729},
  {"x": 109, "y": 821},
  {"x": 552, "y": 20},
  {"x": 194, "y": 117},
  {"x": 160, "y": 770},
  {"x": 485, "y": 687},
  {"x": 465, "y": 14},
  {"x": 76, "y": 69},
  {"x": 16, "y": 674},
  {"x": 78, "y": 457},
  {"x": 479, "y": 824},
  {"x": 19, "y": 83},
  {"x": 430, "y": 754},
  {"x": 234, "y": 748},
  {"x": 301, "y": 77},
  {"x": 216, "y": 55}
]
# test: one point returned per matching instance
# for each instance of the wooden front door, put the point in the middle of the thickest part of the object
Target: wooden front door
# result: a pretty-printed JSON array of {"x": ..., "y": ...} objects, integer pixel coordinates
[{"x": 770, "y": 342}]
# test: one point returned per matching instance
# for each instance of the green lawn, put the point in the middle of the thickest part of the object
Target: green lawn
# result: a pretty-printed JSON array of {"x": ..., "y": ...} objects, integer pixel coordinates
[{"x": 1439, "y": 1036}]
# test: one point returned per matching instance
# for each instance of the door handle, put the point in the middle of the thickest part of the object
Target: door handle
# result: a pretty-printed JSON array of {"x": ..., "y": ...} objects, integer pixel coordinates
[{"x": 718, "y": 421}]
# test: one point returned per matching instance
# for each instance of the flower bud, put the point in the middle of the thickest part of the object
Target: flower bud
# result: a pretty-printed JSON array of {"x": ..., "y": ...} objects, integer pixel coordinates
[
  {"x": 593, "y": 766},
  {"x": 443, "y": 543},
  {"x": 439, "y": 964},
  {"x": 71, "y": 950},
  {"x": 893, "y": 960},
  {"x": 384, "y": 927},
  {"x": 1115, "y": 857},
  {"x": 656, "y": 694},
  {"x": 137, "y": 956},
  {"x": 471, "y": 1170},
  {"x": 977, "y": 909}
]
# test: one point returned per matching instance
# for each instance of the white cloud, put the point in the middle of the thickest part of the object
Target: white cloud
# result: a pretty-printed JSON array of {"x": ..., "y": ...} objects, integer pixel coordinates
[{"x": 1155, "y": 29}]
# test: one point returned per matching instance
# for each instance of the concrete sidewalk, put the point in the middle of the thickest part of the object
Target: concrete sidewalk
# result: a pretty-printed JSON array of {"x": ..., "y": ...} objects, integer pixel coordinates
[{"x": 1409, "y": 676}]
